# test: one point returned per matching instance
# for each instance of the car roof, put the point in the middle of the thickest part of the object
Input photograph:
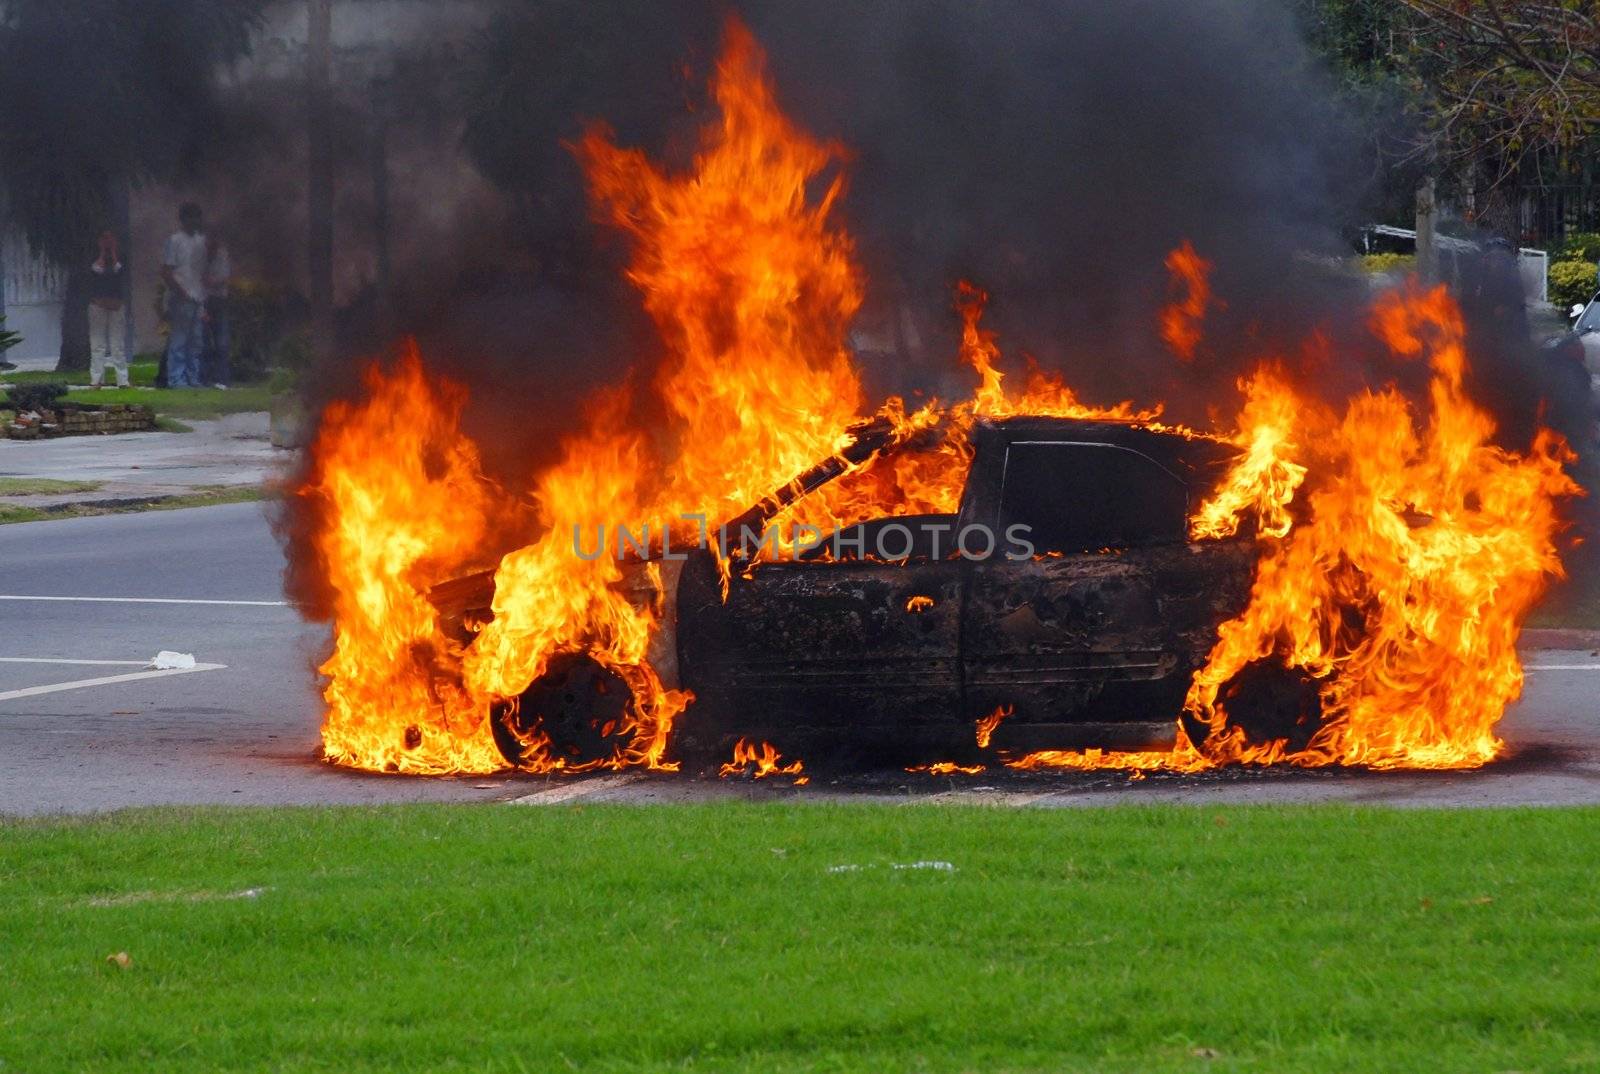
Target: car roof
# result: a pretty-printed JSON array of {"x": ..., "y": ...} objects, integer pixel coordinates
[{"x": 1195, "y": 454}]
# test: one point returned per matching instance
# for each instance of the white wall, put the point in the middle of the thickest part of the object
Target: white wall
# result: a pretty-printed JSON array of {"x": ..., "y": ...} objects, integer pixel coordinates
[{"x": 33, "y": 291}]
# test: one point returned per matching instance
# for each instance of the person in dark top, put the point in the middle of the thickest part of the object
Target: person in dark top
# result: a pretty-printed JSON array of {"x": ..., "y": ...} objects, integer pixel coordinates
[{"x": 108, "y": 282}]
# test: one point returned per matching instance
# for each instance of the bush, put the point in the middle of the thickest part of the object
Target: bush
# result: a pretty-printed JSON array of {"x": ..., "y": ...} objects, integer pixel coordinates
[
  {"x": 1572, "y": 282},
  {"x": 256, "y": 317},
  {"x": 40, "y": 396},
  {"x": 1579, "y": 246},
  {"x": 292, "y": 352},
  {"x": 7, "y": 339},
  {"x": 1382, "y": 263}
]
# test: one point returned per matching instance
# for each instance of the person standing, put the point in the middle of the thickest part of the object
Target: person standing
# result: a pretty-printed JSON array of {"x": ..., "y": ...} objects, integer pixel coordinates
[
  {"x": 183, "y": 267},
  {"x": 108, "y": 283},
  {"x": 219, "y": 270}
]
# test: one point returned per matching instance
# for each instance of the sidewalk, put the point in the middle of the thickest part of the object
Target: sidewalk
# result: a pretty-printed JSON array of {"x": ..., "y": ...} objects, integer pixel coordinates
[{"x": 232, "y": 450}]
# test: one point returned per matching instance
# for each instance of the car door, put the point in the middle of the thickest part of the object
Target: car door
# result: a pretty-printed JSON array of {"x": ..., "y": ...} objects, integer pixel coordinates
[
  {"x": 1076, "y": 632},
  {"x": 801, "y": 650}
]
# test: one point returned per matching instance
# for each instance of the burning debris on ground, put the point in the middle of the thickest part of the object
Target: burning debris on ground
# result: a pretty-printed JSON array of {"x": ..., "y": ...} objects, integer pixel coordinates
[{"x": 1020, "y": 580}]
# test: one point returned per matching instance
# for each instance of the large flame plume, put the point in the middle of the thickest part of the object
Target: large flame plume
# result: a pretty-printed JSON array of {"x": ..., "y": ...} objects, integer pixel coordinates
[{"x": 1399, "y": 552}]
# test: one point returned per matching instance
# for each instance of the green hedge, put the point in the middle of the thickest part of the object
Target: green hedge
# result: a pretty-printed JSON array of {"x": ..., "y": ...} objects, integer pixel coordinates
[
  {"x": 1579, "y": 246},
  {"x": 1376, "y": 263},
  {"x": 43, "y": 396},
  {"x": 1571, "y": 282}
]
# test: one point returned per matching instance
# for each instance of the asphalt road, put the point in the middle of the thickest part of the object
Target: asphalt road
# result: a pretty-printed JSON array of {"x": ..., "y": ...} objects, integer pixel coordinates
[{"x": 207, "y": 582}]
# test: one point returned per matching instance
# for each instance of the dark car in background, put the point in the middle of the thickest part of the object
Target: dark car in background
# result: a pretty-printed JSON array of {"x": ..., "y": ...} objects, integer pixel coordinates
[{"x": 1572, "y": 366}]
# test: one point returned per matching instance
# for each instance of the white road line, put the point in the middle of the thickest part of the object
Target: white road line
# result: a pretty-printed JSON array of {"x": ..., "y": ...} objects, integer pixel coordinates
[
  {"x": 1561, "y": 667},
  {"x": 105, "y": 680},
  {"x": 566, "y": 792},
  {"x": 55, "y": 660},
  {"x": 155, "y": 600}
]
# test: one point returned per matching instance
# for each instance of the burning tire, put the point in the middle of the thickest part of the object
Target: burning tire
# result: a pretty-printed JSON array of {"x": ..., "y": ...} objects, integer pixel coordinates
[
  {"x": 1267, "y": 701},
  {"x": 579, "y": 705}
]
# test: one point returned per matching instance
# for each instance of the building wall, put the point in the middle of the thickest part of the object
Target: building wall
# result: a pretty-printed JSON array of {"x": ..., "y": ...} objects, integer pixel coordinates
[{"x": 32, "y": 291}]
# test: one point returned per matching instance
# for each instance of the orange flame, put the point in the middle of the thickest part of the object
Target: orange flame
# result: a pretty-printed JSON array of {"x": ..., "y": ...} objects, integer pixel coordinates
[
  {"x": 988, "y": 724},
  {"x": 947, "y": 768},
  {"x": 1402, "y": 593},
  {"x": 405, "y": 506},
  {"x": 759, "y": 762},
  {"x": 1404, "y": 590},
  {"x": 1180, "y": 321},
  {"x": 751, "y": 285},
  {"x": 1044, "y": 394},
  {"x": 1266, "y": 478}
]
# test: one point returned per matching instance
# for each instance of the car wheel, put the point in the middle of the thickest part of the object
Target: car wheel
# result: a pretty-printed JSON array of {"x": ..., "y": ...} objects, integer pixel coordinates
[
  {"x": 579, "y": 705},
  {"x": 1268, "y": 702}
]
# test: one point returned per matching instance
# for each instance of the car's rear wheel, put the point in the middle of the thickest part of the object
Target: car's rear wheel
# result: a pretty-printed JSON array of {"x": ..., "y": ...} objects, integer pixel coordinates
[
  {"x": 1267, "y": 701},
  {"x": 579, "y": 705}
]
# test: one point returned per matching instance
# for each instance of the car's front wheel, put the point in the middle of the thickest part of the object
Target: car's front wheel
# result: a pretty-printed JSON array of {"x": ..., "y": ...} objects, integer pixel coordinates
[
  {"x": 1268, "y": 702},
  {"x": 576, "y": 712}
]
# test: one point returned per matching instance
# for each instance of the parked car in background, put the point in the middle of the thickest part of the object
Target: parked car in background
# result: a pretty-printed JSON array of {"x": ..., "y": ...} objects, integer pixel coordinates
[
  {"x": 1573, "y": 358},
  {"x": 1586, "y": 333}
]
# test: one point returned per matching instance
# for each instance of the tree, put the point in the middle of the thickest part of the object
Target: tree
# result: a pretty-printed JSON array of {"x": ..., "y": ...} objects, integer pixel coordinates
[
  {"x": 1365, "y": 43},
  {"x": 1509, "y": 77},
  {"x": 320, "y": 171},
  {"x": 99, "y": 95},
  {"x": 1476, "y": 100}
]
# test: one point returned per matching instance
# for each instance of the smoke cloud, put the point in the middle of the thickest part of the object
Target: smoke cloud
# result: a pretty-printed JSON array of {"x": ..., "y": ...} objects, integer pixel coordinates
[{"x": 1052, "y": 153}]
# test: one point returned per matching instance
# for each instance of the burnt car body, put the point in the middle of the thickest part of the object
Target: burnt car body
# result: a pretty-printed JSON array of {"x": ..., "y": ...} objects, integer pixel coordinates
[{"x": 879, "y": 658}]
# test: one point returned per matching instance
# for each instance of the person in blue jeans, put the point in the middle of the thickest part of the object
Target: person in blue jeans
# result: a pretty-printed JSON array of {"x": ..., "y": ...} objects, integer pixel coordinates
[{"x": 183, "y": 267}]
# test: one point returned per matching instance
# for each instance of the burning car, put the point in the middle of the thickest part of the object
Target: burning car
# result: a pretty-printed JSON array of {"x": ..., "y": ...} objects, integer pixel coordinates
[
  {"x": 1316, "y": 582},
  {"x": 1063, "y": 605}
]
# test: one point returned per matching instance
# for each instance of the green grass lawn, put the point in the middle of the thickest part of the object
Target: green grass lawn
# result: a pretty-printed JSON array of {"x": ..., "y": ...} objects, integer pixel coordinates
[
  {"x": 719, "y": 938},
  {"x": 141, "y": 373},
  {"x": 42, "y": 486},
  {"x": 183, "y": 402},
  {"x": 202, "y": 496},
  {"x": 171, "y": 402}
]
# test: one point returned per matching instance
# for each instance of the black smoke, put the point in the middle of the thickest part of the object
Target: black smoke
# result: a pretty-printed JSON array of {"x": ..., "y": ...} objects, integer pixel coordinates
[{"x": 1051, "y": 152}]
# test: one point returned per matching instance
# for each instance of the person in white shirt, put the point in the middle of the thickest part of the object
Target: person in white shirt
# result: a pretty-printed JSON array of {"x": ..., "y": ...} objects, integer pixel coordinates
[{"x": 183, "y": 267}]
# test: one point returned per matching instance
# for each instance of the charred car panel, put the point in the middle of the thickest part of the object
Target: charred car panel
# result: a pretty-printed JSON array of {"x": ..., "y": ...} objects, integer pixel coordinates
[{"x": 837, "y": 651}]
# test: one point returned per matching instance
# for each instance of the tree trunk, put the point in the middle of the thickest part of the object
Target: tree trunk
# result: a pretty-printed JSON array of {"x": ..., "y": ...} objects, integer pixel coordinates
[
  {"x": 1427, "y": 249},
  {"x": 75, "y": 324},
  {"x": 320, "y": 180},
  {"x": 5, "y": 222},
  {"x": 124, "y": 225}
]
